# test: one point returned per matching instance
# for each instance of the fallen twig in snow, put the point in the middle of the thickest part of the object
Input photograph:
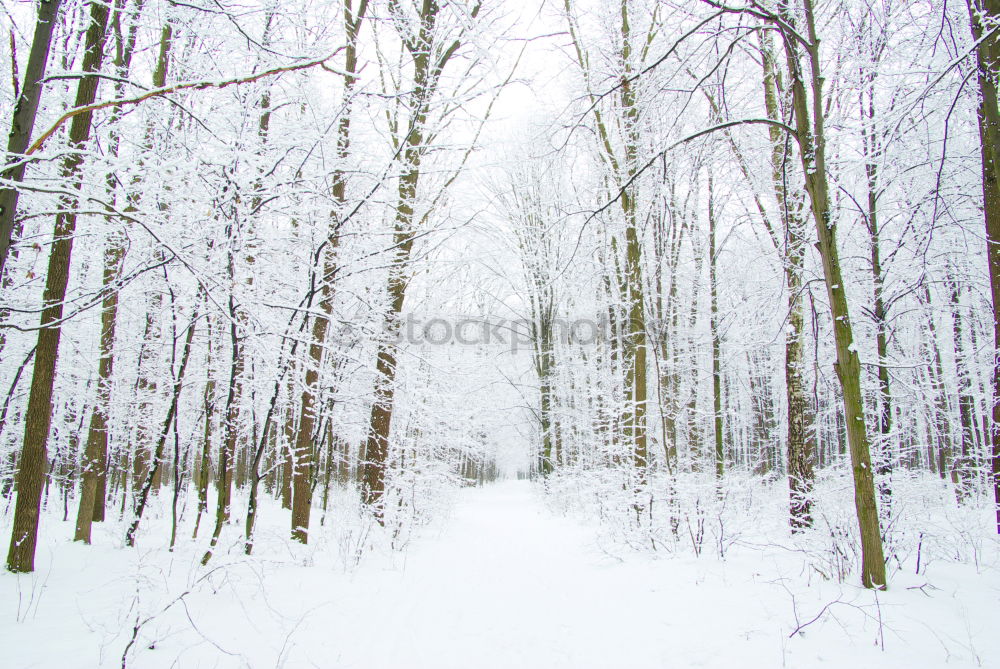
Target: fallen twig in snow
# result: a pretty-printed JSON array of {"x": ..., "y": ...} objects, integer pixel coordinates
[{"x": 140, "y": 623}]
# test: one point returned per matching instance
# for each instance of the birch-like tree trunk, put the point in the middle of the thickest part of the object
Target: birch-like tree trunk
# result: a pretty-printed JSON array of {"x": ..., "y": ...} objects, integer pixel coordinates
[{"x": 800, "y": 446}]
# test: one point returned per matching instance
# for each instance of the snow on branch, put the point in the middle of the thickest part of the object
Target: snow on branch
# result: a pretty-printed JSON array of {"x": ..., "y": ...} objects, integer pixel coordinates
[{"x": 167, "y": 90}]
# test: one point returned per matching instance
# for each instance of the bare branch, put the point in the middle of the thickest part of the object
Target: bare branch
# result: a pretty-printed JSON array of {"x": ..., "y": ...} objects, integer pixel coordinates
[{"x": 167, "y": 90}]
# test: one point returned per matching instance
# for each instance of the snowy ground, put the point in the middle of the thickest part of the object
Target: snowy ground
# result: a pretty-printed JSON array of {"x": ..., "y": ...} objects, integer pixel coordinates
[{"x": 502, "y": 582}]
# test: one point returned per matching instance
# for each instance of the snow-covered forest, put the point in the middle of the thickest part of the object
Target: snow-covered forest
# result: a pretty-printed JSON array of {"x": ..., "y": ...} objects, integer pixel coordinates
[{"x": 500, "y": 333}]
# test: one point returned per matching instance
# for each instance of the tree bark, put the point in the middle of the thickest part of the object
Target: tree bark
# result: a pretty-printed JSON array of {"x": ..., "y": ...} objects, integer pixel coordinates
[
  {"x": 429, "y": 60},
  {"x": 635, "y": 344},
  {"x": 38, "y": 419},
  {"x": 872, "y": 149},
  {"x": 93, "y": 491},
  {"x": 800, "y": 447},
  {"x": 223, "y": 480},
  {"x": 809, "y": 123},
  {"x": 308, "y": 419},
  {"x": 203, "y": 475},
  {"x": 720, "y": 461},
  {"x": 981, "y": 13},
  {"x": 624, "y": 167},
  {"x": 23, "y": 121},
  {"x": 963, "y": 469}
]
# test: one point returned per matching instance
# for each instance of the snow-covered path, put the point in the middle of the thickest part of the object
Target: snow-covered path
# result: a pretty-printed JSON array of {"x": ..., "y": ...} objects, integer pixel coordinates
[
  {"x": 503, "y": 583},
  {"x": 511, "y": 584}
]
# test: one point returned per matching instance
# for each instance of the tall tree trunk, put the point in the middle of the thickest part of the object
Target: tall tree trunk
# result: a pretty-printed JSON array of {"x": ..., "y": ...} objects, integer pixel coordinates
[
  {"x": 23, "y": 121},
  {"x": 31, "y": 471},
  {"x": 429, "y": 60},
  {"x": 692, "y": 418},
  {"x": 987, "y": 13},
  {"x": 114, "y": 253},
  {"x": 204, "y": 469},
  {"x": 624, "y": 168},
  {"x": 935, "y": 372},
  {"x": 720, "y": 462},
  {"x": 962, "y": 471},
  {"x": 809, "y": 123},
  {"x": 380, "y": 423},
  {"x": 94, "y": 469},
  {"x": 223, "y": 480},
  {"x": 308, "y": 418},
  {"x": 800, "y": 447},
  {"x": 872, "y": 149},
  {"x": 286, "y": 455},
  {"x": 635, "y": 343},
  {"x": 543, "y": 367},
  {"x": 148, "y": 374},
  {"x": 146, "y": 387}
]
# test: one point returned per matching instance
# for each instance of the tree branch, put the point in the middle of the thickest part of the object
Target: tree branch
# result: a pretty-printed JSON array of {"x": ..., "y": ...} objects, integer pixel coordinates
[{"x": 167, "y": 90}]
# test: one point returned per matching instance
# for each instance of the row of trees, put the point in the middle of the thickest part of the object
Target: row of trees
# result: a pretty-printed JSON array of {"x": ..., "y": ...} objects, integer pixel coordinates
[
  {"x": 749, "y": 189},
  {"x": 152, "y": 191},
  {"x": 208, "y": 262}
]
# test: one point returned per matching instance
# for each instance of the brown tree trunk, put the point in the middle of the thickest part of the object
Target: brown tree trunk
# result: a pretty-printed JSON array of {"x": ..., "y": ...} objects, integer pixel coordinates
[
  {"x": 428, "y": 63},
  {"x": 286, "y": 458},
  {"x": 308, "y": 418},
  {"x": 94, "y": 469},
  {"x": 23, "y": 121},
  {"x": 113, "y": 256},
  {"x": 872, "y": 150},
  {"x": 809, "y": 120},
  {"x": 151, "y": 476},
  {"x": 938, "y": 422},
  {"x": 635, "y": 342},
  {"x": 713, "y": 286},
  {"x": 147, "y": 382},
  {"x": 32, "y": 463},
  {"x": 223, "y": 479},
  {"x": 963, "y": 472},
  {"x": 987, "y": 12},
  {"x": 204, "y": 469}
]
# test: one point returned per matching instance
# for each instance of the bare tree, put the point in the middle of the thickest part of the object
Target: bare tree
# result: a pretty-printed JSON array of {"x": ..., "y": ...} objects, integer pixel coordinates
[
  {"x": 426, "y": 40},
  {"x": 302, "y": 456}
]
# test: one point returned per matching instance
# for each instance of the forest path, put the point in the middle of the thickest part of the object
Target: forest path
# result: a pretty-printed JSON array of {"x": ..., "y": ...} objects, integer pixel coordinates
[
  {"x": 504, "y": 582},
  {"x": 510, "y": 584}
]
